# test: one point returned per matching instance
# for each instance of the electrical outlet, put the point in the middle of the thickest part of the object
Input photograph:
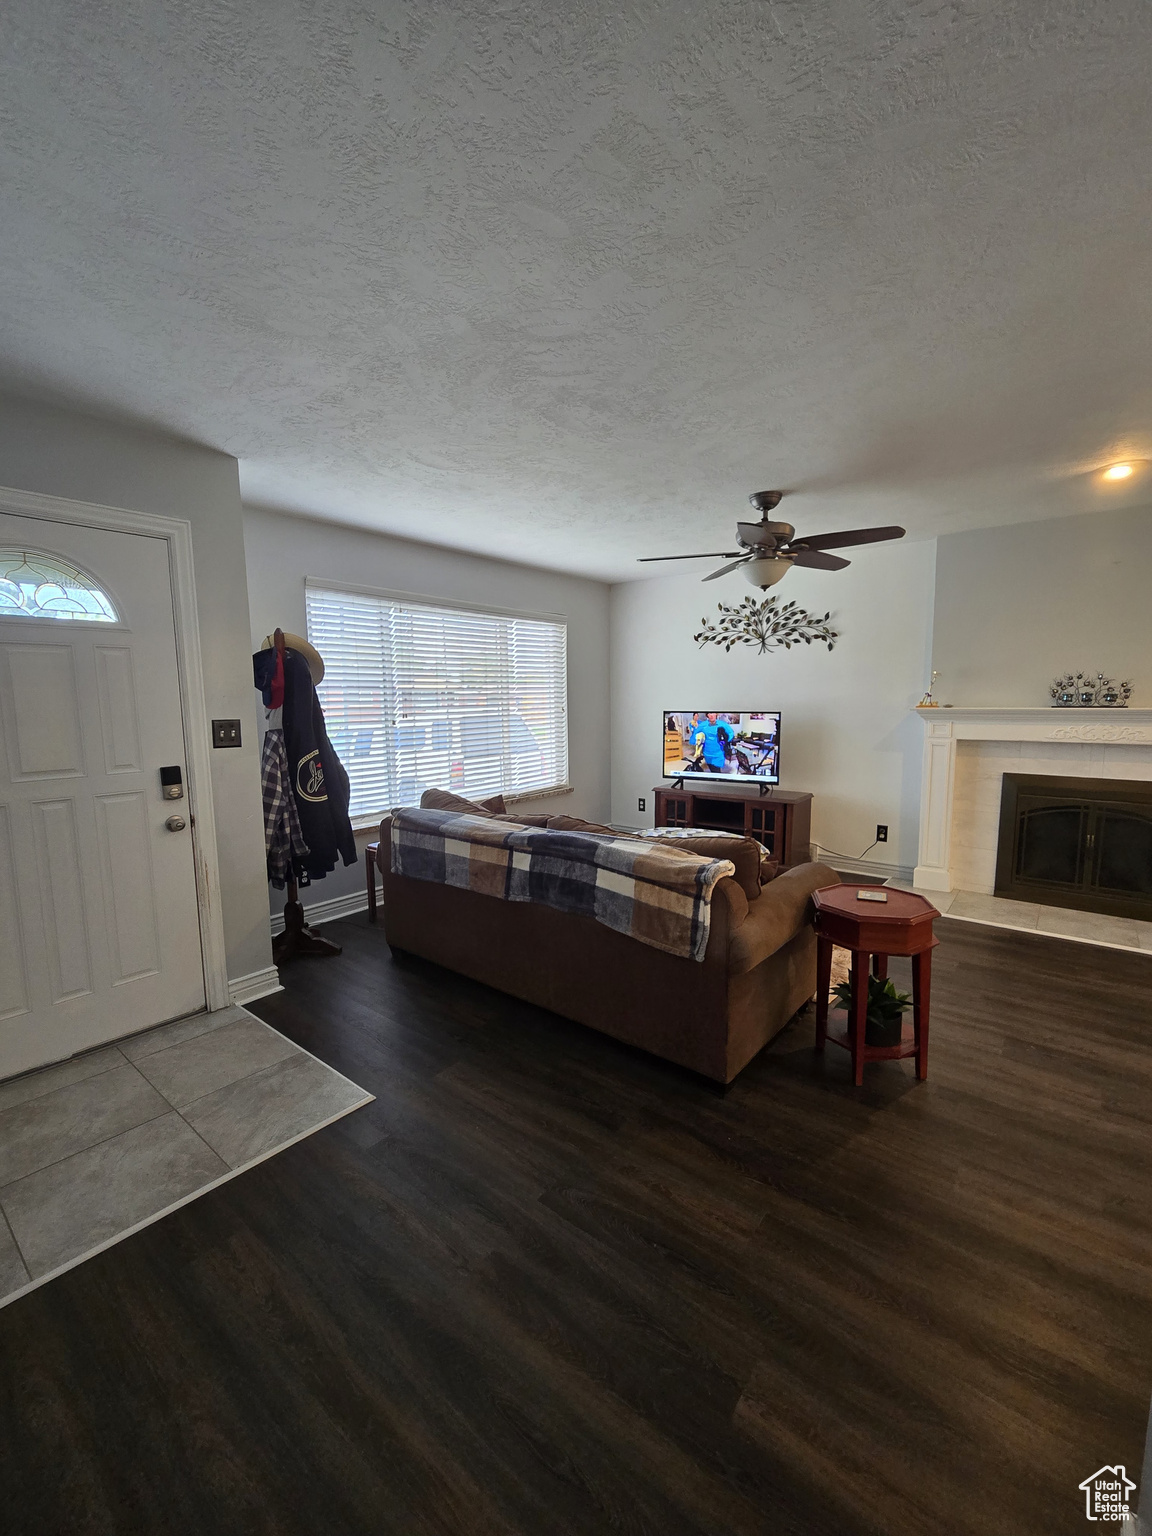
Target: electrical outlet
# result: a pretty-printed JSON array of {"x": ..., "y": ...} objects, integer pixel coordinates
[
  {"x": 642, "y": 804},
  {"x": 881, "y": 832}
]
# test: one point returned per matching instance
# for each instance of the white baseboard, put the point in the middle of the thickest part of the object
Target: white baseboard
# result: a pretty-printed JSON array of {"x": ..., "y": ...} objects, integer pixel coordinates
[
  {"x": 870, "y": 868},
  {"x": 246, "y": 989},
  {"x": 327, "y": 911}
]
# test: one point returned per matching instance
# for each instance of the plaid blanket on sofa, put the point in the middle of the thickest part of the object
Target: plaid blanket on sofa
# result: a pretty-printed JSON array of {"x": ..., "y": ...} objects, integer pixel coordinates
[{"x": 659, "y": 896}]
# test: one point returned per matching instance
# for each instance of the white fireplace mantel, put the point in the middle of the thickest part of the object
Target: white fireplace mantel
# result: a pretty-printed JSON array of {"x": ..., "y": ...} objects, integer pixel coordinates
[{"x": 1065, "y": 734}]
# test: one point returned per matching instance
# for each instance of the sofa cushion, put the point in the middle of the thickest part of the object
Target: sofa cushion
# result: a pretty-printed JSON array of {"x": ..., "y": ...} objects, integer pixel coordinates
[
  {"x": 781, "y": 909},
  {"x": 745, "y": 853},
  {"x": 574, "y": 824},
  {"x": 445, "y": 800},
  {"x": 769, "y": 868}
]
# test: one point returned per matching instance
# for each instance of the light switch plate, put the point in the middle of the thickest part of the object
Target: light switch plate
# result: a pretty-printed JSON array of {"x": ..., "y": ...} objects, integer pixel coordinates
[{"x": 225, "y": 733}]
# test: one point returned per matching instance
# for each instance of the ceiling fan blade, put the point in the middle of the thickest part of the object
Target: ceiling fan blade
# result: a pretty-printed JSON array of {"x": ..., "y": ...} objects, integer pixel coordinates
[
  {"x": 756, "y": 536},
  {"x": 817, "y": 560},
  {"x": 849, "y": 537},
  {"x": 718, "y": 554},
  {"x": 724, "y": 569}
]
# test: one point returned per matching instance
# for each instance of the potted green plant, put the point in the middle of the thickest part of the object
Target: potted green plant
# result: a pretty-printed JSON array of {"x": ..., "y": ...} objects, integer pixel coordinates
[{"x": 884, "y": 1017}]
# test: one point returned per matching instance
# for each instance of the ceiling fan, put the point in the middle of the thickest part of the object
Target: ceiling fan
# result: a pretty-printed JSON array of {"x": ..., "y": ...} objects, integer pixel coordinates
[{"x": 768, "y": 551}]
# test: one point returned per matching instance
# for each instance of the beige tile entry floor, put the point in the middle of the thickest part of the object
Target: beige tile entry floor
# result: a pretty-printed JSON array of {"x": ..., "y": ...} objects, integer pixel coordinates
[
  {"x": 1061, "y": 922},
  {"x": 98, "y": 1146}
]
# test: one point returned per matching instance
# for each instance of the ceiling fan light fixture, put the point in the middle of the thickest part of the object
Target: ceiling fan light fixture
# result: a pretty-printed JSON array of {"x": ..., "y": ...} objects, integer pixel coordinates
[
  {"x": 766, "y": 571},
  {"x": 768, "y": 550}
]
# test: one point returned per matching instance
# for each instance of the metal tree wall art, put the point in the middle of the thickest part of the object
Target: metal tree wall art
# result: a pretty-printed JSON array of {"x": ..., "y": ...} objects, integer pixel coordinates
[{"x": 765, "y": 625}]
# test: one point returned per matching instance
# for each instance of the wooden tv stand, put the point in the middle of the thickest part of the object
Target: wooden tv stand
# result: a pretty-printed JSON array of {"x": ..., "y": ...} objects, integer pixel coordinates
[{"x": 782, "y": 820}]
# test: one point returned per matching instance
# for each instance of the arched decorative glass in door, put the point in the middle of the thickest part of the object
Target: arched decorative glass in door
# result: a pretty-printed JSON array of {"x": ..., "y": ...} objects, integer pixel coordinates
[{"x": 36, "y": 585}]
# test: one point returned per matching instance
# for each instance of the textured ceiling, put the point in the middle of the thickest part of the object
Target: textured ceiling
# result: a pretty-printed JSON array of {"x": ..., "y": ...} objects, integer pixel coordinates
[{"x": 566, "y": 281}]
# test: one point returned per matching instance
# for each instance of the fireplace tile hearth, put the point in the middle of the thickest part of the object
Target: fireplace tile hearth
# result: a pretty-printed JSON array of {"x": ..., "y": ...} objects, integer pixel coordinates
[
  {"x": 1024, "y": 917},
  {"x": 1095, "y": 927},
  {"x": 994, "y": 909}
]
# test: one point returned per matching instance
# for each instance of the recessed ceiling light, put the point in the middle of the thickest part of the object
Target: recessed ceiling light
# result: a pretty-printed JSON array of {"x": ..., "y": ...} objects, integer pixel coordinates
[{"x": 1118, "y": 472}]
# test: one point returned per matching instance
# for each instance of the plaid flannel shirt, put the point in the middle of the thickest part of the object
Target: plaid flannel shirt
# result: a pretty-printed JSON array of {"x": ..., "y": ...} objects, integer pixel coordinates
[{"x": 282, "y": 835}]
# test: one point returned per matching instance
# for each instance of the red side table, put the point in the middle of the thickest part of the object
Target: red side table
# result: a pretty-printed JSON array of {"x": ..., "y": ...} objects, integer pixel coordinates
[{"x": 900, "y": 926}]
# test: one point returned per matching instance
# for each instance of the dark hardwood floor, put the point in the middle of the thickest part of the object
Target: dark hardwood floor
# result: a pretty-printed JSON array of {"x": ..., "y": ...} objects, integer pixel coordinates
[{"x": 546, "y": 1284}]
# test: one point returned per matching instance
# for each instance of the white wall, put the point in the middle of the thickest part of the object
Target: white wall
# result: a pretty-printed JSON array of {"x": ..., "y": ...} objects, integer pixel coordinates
[
  {"x": 283, "y": 550},
  {"x": 1017, "y": 606},
  {"x": 847, "y": 733},
  {"x": 63, "y": 453}
]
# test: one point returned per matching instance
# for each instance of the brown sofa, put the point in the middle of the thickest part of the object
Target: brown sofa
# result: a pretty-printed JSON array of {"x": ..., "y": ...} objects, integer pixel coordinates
[{"x": 711, "y": 1015}]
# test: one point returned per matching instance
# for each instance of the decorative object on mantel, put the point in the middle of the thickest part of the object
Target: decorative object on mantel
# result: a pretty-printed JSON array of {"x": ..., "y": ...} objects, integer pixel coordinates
[
  {"x": 929, "y": 701},
  {"x": 1078, "y": 690},
  {"x": 765, "y": 625}
]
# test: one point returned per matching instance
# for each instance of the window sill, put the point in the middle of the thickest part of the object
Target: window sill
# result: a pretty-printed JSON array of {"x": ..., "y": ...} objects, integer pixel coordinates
[
  {"x": 538, "y": 794},
  {"x": 371, "y": 823}
]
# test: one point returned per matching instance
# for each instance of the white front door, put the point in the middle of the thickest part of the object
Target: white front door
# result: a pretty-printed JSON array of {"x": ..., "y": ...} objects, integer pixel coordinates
[{"x": 99, "y": 934}]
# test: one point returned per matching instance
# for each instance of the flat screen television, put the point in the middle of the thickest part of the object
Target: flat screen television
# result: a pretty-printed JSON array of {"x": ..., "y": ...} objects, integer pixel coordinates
[{"x": 704, "y": 744}]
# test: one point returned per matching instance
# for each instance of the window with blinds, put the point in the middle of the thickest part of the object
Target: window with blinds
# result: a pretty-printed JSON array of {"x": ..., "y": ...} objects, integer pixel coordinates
[{"x": 418, "y": 697}]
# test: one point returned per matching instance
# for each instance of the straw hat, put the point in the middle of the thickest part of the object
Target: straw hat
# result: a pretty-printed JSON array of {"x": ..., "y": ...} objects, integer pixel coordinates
[{"x": 309, "y": 652}]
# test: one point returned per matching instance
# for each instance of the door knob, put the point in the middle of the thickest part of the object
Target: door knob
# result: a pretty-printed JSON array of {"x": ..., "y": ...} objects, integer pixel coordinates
[{"x": 175, "y": 823}]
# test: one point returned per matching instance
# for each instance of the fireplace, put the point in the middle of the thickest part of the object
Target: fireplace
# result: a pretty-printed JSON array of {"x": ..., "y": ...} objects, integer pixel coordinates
[
  {"x": 1085, "y": 843},
  {"x": 969, "y": 749}
]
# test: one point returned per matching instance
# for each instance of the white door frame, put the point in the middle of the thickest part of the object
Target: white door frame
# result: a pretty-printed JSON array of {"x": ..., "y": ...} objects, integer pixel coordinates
[{"x": 177, "y": 531}]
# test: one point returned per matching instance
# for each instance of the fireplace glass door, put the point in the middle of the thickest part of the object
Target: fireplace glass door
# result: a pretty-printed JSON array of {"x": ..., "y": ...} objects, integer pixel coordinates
[{"x": 1083, "y": 843}]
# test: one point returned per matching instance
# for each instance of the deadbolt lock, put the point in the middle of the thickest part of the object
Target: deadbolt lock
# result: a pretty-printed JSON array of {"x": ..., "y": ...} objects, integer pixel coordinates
[{"x": 172, "y": 782}]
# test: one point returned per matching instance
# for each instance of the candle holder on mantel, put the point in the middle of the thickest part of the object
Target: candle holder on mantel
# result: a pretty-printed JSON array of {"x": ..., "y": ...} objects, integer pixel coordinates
[
  {"x": 928, "y": 701},
  {"x": 1080, "y": 690}
]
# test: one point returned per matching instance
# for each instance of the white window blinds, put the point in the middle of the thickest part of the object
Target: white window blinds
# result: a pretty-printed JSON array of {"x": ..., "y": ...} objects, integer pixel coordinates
[{"x": 418, "y": 697}]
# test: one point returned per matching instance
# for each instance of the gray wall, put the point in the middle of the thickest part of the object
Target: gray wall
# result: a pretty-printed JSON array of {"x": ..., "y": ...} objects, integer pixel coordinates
[
  {"x": 847, "y": 732},
  {"x": 62, "y": 453},
  {"x": 283, "y": 550},
  {"x": 1016, "y": 606}
]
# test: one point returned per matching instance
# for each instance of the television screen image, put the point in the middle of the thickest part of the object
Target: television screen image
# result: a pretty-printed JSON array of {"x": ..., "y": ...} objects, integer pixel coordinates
[{"x": 706, "y": 744}]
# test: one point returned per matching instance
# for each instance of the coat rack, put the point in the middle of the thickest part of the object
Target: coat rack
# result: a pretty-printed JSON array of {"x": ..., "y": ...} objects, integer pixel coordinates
[{"x": 297, "y": 940}]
